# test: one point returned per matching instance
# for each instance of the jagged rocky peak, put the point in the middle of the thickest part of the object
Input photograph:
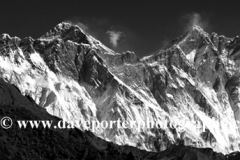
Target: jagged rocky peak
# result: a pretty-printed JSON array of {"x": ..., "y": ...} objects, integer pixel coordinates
[
  {"x": 7, "y": 39},
  {"x": 199, "y": 29},
  {"x": 5, "y": 36},
  {"x": 206, "y": 60},
  {"x": 74, "y": 76},
  {"x": 194, "y": 39},
  {"x": 67, "y": 31},
  {"x": 126, "y": 57}
]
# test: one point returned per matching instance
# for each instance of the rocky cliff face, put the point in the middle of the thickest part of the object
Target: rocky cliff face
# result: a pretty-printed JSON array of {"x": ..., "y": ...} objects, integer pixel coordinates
[
  {"x": 193, "y": 84},
  {"x": 49, "y": 143}
]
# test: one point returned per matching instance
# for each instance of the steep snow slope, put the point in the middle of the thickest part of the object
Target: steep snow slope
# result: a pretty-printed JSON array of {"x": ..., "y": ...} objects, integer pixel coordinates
[
  {"x": 73, "y": 144},
  {"x": 194, "y": 84}
]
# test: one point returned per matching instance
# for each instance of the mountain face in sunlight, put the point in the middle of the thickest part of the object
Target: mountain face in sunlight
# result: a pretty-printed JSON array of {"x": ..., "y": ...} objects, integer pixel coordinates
[{"x": 193, "y": 84}]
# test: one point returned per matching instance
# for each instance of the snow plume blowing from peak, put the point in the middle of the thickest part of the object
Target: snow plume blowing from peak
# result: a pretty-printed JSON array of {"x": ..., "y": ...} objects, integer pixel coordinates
[
  {"x": 80, "y": 24},
  {"x": 114, "y": 37},
  {"x": 101, "y": 29},
  {"x": 194, "y": 19}
]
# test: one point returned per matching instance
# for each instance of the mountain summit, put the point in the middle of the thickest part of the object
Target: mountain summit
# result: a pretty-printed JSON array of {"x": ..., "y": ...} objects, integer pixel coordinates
[{"x": 193, "y": 84}]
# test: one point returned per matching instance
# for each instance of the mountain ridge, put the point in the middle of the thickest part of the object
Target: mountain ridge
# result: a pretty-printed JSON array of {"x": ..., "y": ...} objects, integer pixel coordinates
[
  {"x": 72, "y": 75},
  {"x": 73, "y": 144}
]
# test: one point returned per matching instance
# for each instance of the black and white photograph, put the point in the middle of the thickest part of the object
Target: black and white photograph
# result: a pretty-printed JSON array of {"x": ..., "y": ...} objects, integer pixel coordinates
[{"x": 120, "y": 80}]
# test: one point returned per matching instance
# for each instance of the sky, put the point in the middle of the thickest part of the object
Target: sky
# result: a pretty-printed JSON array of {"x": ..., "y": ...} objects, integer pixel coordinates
[{"x": 142, "y": 26}]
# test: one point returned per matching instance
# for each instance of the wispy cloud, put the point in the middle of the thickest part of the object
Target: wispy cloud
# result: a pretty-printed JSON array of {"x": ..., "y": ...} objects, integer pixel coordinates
[
  {"x": 80, "y": 24},
  {"x": 165, "y": 43},
  {"x": 96, "y": 27},
  {"x": 191, "y": 19},
  {"x": 114, "y": 37},
  {"x": 109, "y": 33}
]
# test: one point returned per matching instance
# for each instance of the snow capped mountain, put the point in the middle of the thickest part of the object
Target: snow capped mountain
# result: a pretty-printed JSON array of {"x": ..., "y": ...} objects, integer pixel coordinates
[{"x": 194, "y": 83}]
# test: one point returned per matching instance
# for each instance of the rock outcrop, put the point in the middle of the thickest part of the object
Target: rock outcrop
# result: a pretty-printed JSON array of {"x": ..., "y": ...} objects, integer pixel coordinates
[{"x": 192, "y": 86}]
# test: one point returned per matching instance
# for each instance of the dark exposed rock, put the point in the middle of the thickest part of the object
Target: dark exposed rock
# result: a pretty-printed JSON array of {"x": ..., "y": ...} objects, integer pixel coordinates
[
  {"x": 72, "y": 144},
  {"x": 194, "y": 80}
]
